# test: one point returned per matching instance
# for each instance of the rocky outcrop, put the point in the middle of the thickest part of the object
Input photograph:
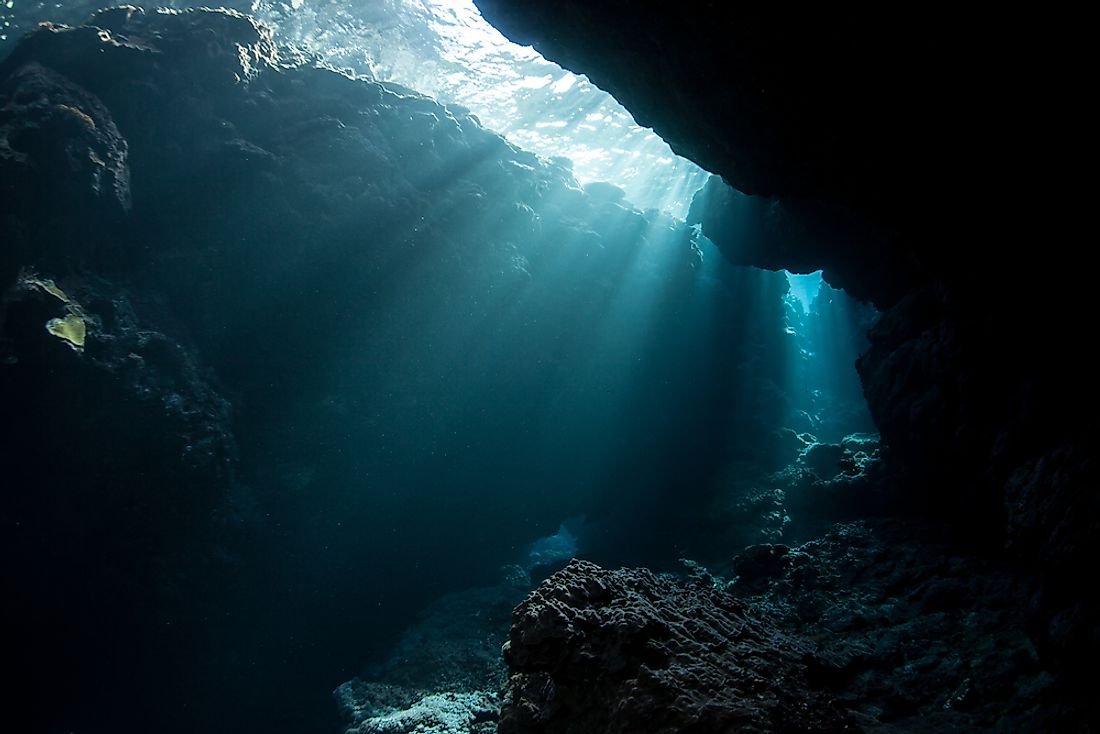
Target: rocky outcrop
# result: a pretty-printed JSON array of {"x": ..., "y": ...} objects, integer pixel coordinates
[
  {"x": 735, "y": 92},
  {"x": 839, "y": 132},
  {"x": 438, "y": 713},
  {"x": 886, "y": 627},
  {"x": 594, "y": 650},
  {"x": 58, "y": 143},
  {"x": 986, "y": 425},
  {"x": 976, "y": 374},
  {"x": 913, "y": 634},
  {"x": 876, "y": 146},
  {"x": 445, "y": 673},
  {"x": 823, "y": 484},
  {"x": 868, "y": 259},
  {"x": 118, "y": 467},
  {"x": 944, "y": 398}
]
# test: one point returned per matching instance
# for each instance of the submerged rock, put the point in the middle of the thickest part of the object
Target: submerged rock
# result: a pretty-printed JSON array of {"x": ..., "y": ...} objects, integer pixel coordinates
[
  {"x": 912, "y": 634},
  {"x": 823, "y": 459},
  {"x": 977, "y": 376},
  {"x": 445, "y": 672},
  {"x": 758, "y": 563},
  {"x": 438, "y": 713},
  {"x": 880, "y": 627},
  {"x": 594, "y": 650},
  {"x": 118, "y": 465},
  {"x": 454, "y": 645},
  {"x": 823, "y": 484}
]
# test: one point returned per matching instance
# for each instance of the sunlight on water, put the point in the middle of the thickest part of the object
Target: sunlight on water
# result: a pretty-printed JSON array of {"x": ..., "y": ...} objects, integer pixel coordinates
[
  {"x": 445, "y": 49},
  {"x": 804, "y": 288}
]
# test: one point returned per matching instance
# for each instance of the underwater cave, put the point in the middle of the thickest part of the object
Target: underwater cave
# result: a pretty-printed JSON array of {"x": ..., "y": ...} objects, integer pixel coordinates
[{"x": 542, "y": 367}]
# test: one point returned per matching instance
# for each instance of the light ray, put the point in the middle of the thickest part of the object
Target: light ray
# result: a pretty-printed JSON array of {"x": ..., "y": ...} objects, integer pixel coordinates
[{"x": 445, "y": 49}]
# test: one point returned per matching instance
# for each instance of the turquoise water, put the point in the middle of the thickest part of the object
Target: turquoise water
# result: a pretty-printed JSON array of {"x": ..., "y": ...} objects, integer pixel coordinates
[{"x": 346, "y": 353}]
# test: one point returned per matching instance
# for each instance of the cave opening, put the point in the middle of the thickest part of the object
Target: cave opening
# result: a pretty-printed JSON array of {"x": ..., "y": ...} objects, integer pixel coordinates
[
  {"x": 380, "y": 364},
  {"x": 337, "y": 334}
]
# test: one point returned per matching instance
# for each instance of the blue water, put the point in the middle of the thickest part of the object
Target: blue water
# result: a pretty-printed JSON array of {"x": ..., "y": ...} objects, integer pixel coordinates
[
  {"x": 804, "y": 288},
  {"x": 351, "y": 354}
]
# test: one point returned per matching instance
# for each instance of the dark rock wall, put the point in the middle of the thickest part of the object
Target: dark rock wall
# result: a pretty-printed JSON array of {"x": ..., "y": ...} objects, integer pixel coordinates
[
  {"x": 831, "y": 117},
  {"x": 750, "y": 123},
  {"x": 116, "y": 467},
  {"x": 885, "y": 138},
  {"x": 876, "y": 147}
]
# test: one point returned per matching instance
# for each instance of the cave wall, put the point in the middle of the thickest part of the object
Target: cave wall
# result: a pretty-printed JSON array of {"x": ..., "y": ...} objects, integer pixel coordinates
[
  {"x": 886, "y": 149},
  {"x": 899, "y": 154},
  {"x": 831, "y": 117}
]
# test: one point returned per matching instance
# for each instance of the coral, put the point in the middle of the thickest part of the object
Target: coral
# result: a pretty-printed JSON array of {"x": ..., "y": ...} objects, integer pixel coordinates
[
  {"x": 439, "y": 713},
  {"x": 444, "y": 673},
  {"x": 30, "y": 280},
  {"x": 71, "y": 328}
]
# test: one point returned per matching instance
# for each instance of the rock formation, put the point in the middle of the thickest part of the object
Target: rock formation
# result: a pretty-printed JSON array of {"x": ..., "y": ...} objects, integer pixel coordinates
[
  {"x": 877, "y": 150},
  {"x": 593, "y": 650}
]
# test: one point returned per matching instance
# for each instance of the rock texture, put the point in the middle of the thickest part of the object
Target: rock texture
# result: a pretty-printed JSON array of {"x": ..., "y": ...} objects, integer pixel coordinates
[
  {"x": 823, "y": 484},
  {"x": 849, "y": 123},
  {"x": 803, "y": 110},
  {"x": 118, "y": 468},
  {"x": 879, "y": 156},
  {"x": 439, "y": 713},
  {"x": 882, "y": 627},
  {"x": 914, "y": 634},
  {"x": 445, "y": 672},
  {"x": 594, "y": 650},
  {"x": 58, "y": 142}
]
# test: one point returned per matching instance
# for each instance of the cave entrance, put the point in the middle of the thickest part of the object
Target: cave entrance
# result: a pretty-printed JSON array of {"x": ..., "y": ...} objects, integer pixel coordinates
[
  {"x": 804, "y": 335},
  {"x": 432, "y": 352},
  {"x": 445, "y": 49}
]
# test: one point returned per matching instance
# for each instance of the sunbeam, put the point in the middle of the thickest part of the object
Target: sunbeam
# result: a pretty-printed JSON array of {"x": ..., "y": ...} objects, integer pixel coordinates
[
  {"x": 445, "y": 49},
  {"x": 377, "y": 309}
]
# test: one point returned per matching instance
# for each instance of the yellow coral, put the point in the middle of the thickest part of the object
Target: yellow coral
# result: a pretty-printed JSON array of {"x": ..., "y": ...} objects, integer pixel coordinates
[
  {"x": 71, "y": 328},
  {"x": 30, "y": 280}
]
